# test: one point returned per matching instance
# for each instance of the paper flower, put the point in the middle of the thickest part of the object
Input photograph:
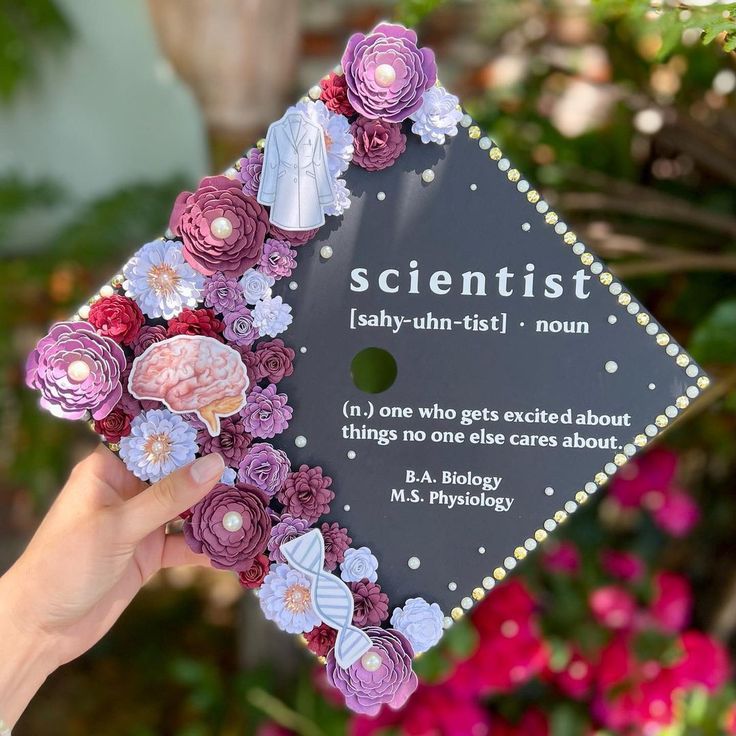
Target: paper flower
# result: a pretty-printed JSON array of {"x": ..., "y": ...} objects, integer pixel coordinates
[
  {"x": 386, "y": 74},
  {"x": 228, "y": 477},
  {"x": 239, "y": 327},
  {"x": 223, "y": 294},
  {"x": 338, "y": 138},
  {"x": 321, "y": 639},
  {"x": 285, "y": 599},
  {"x": 159, "y": 442},
  {"x": 378, "y": 144},
  {"x": 284, "y": 531},
  {"x": 278, "y": 259},
  {"x": 265, "y": 467},
  {"x": 148, "y": 335},
  {"x": 255, "y": 285},
  {"x": 370, "y": 604},
  {"x": 230, "y": 525},
  {"x": 273, "y": 361},
  {"x": 420, "y": 622},
  {"x": 359, "y": 564},
  {"x": 341, "y": 200},
  {"x": 196, "y": 322},
  {"x": 160, "y": 281},
  {"x": 266, "y": 412},
  {"x": 389, "y": 679},
  {"x": 231, "y": 443},
  {"x": 117, "y": 317},
  {"x": 115, "y": 425},
  {"x": 76, "y": 371},
  {"x": 271, "y": 316},
  {"x": 306, "y": 493},
  {"x": 335, "y": 94},
  {"x": 250, "y": 171},
  {"x": 255, "y": 574},
  {"x": 336, "y": 542},
  {"x": 222, "y": 228},
  {"x": 297, "y": 238},
  {"x": 438, "y": 116}
]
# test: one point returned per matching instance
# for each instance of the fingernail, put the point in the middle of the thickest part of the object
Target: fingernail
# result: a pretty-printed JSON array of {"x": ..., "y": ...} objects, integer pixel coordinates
[{"x": 206, "y": 468}]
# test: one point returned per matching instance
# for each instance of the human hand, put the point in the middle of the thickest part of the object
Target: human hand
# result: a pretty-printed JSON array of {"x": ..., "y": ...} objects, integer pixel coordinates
[{"x": 102, "y": 539}]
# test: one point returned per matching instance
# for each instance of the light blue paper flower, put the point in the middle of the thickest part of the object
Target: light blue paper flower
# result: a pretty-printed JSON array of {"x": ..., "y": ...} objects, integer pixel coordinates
[
  {"x": 338, "y": 138},
  {"x": 228, "y": 477},
  {"x": 285, "y": 599},
  {"x": 255, "y": 285},
  {"x": 271, "y": 316},
  {"x": 359, "y": 564},
  {"x": 341, "y": 201},
  {"x": 420, "y": 622},
  {"x": 437, "y": 117}
]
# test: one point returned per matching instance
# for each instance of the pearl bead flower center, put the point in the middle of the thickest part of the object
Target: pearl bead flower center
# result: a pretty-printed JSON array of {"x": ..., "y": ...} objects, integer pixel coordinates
[
  {"x": 221, "y": 228},
  {"x": 232, "y": 521},
  {"x": 163, "y": 279},
  {"x": 385, "y": 75},
  {"x": 371, "y": 661},
  {"x": 78, "y": 371},
  {"x": 297, "y": 599},
  {"x": 157, "y": 447}
]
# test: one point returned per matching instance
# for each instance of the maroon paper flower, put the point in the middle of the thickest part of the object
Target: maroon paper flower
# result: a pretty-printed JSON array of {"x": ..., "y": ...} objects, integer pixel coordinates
[
  {"x": 274, "y": 360},
  {"x": 253, "y": 576},
  {"x": 391, "y": 683},
  {"x": 284, "y": 531},
  {"x": 222, "y": 227},
  {"x": 196, "y": 322},
  {"x": 266, "y": 412},
  {"x": 264, "y": 467},
  {"x": 370, "y": 604},
  {"x": 115, "y": 425},
  {"x": 230, "y": 525},
  {"x": 321, "y": 639},
  {"x": 335, "y": 95},
  {"x": 294, "y": 237},
  {"x": 116, "y": 317},
  {"x": 232, "y": 442},
  {"x": 251, "y": 166},
  {"x": 336, "y": 542},
  {"x": 377, "y": 144},
  {"x": 306, "y": 493},
  {"x": 148, "y": 335},
  {"x": 386, "y": 73}
]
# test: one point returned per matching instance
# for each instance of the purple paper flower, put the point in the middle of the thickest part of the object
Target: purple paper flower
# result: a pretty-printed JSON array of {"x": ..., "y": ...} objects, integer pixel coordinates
[
  {"x": 222, "y": 228},
  {"x": 287, "y": 529},
  {"x": 223, "y": 294},
  {"x": 296, "y": 238},
  {"x": 387, "y": 680},
  {"x": 278, "y": 259},
  {"x": 306, "y": 493},
  {"x": 337, "y": 541},
  {"x": 239, "y": 327},
  {"x": 386, "y": 73},
  {"x": 370, "y": 604},
  {"x": 378, "y": 144},
  {"x": 230, "y": 525},
  {"x": 420, "y": 622},
  {"x": 148, "y": 335},
  {"x": 77, "y": 371},
  {"x": 265, "y": 467},
  {"x": 250, "y": 171},
  {"x": 285, "y": 599},
  {"x": 266, "y": 412},
  {"x": 232, "y": 442}
]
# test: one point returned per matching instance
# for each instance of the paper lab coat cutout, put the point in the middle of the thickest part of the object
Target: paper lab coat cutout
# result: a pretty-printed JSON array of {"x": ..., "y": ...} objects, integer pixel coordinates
[{"x": 295, "y": 181}]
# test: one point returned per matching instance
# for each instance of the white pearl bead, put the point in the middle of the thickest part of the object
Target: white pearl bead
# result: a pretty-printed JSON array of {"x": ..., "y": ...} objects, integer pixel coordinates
[
  {"x": 385, "y": 75},
  {"x": 371, "y": 661},
  {"x": 231, "y": 173},
  {"x": 83, "y": 311},
  {"x": 413, "y": 563},
  {"x": 611, "y": 366},
  {"x": 221, "y": 228},
  {"x": 77, "y": 371},
  {"x": 326, "y": 252},
  {"x": 315, "y": 92},
  {"x": 428, "y": 176},
  {"x": 381, "y": 196},
  {"x": 107, "y": 290},
  {"x": 300, "y": 441},
  {"x": 232, "y": 521}
]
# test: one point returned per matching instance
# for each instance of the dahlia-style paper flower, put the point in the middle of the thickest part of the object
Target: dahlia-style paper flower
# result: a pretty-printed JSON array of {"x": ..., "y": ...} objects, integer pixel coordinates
[
  {"x": 76, "y": 370},
  {"x": 231, "y": 443},
  {"x": 420, "y": 622},
  {"x": 321, "y": 639},
  {"x": 231, "y": 525},
  {"x": 286, "y": 600},
  {"x": 337, "y": 541},
  {"x": 148, "y": 335},
  {"x": 239, "y": 327},
  {"x": 222, "y": 293},
  {"x": 338, "y": 138},
  {"x": 296, "y": 238},
  {"x": 378, "y": 144},
  {"x": 222, "y": 228},
  {"x": 160, "y": 281},
  {"x": 386, "y": 73},
  {"x": 278, "y": 259},
  {"x": 306, "y": 493},
  {"x": 341, "y": 199},
  {"x": 370, "y": 604},
  {"x": 196, "y": 322},
  {"x": 438, "y": 117},
  {"x": 271, "y": 316},
  {"x": 117, "y": 317},
  {"x": 266, "y": 412},
  {"x": 359, "y": 564},
  {"x": 159, "y": 442},
  {"x": 273, "y": 360},
  {"x": 256, "y": 573},
  {"x": 388, "y": 678},
  {"x": 255, "y": 285},
  {"x": 287, "y": 528},
  {"x": 264, "y": 467},
  {"x": 335, "y": 94},
  {"x": 249, "y": 172}
]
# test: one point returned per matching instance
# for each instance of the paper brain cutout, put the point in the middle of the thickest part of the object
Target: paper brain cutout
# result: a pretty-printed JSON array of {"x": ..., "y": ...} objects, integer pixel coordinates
[{"x": 192, "y": 373}]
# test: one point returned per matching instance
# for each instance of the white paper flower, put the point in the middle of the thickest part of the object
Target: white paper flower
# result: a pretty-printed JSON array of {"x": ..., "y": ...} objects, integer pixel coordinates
[
  {"x": 420, "y": 622},
  {"x": 341, "y": 202},
  {"x": 437, "y": 117},
  {"x": 228, "y": 477},
  {"x": 159, "y": 279},
  {"x": 271, "y": 316},
  {"x": 358, "y": 564},
  {"x": 159, "y": 442},
  {"x": 338, "y": 138},
  {"x": 255, "y": 285}
]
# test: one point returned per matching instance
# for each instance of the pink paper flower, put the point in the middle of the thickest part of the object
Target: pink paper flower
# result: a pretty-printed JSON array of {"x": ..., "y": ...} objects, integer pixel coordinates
[{"x": 613, "y": 607}]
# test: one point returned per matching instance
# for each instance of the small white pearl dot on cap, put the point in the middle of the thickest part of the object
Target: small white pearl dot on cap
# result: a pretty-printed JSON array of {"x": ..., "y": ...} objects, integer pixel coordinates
[
  {"x": 300, "y": 441},
  {"x": 413, "y": 563}
]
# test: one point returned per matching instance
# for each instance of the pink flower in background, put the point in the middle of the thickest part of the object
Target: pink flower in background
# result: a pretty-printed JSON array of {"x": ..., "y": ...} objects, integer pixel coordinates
[
  {"x": 677, "y": 513},
  {"x": 651, "y": 473},
  {"x": 533, "y": 723},
  {"x": 703, "y": 662},
  {"x": 576, "y": 678},
  {"x": 672, "y": 602},
  {"x": 562, "y": 557},
  {"x": 623, "y": 565},
  {"x": 613, "y": 607}
]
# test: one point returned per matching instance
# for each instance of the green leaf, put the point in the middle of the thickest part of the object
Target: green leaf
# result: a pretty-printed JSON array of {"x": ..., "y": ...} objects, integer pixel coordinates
[
  {"x": 714, "y": 340},
  {"x": 461, "y": 639}
]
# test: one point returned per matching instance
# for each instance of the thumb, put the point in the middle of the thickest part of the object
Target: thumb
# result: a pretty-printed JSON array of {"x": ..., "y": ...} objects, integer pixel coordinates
[{"x": 173, "y": 494}]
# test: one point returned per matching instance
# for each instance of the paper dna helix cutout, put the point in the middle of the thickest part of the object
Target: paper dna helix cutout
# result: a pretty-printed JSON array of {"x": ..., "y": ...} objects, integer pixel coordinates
[{"x": 331, "y": 598}]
